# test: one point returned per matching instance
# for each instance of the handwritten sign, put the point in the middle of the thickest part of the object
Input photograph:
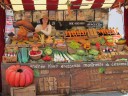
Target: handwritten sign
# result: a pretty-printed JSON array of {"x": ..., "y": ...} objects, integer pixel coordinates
[{"x": 78, "y": 65}]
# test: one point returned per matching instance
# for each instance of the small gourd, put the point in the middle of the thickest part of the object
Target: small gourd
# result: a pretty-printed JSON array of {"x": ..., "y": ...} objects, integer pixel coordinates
[
  {"x": 35, "y": 48},
  {"x": 49, "y": 40}
]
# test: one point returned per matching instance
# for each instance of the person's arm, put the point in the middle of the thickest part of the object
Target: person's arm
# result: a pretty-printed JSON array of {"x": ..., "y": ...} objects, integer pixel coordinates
[
  {"x": 48, "y": 31},
  {"x": 38, "y": 28}
]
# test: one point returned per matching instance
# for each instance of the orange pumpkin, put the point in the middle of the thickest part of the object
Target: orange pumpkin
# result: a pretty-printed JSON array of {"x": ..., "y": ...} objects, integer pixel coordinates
[{"x": 19, "y": 76}]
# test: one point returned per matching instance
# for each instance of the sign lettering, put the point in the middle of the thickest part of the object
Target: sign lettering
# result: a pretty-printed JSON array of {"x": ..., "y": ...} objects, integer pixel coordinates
[{"x": 78, "y": 65}]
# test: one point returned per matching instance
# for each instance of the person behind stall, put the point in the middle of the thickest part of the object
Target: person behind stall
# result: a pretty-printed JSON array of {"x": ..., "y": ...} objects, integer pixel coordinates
[{"x": 44, "y": 27}]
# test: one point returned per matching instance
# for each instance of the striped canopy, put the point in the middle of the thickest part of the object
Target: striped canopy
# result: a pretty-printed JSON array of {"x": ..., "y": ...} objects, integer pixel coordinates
[{"x": 17, "y": 5}]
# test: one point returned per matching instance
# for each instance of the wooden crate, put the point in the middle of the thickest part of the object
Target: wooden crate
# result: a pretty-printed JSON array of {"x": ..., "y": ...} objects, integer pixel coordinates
[
  {"x": 23, "y": 91},
  {"x": 6, "y": 59},
  {"x": 9, "y": 57}
]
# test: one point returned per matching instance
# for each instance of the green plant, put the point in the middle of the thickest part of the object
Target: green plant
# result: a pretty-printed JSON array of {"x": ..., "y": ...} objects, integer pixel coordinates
[{"x": 101, "y": 70}]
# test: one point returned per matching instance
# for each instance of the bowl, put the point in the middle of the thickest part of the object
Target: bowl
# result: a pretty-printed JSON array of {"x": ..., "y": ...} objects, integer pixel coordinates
[{"x": 35, "y": 57}]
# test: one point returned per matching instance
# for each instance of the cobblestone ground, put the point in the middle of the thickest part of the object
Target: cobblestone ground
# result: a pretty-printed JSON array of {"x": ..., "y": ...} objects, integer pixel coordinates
[{"x": 103, "y": 94}]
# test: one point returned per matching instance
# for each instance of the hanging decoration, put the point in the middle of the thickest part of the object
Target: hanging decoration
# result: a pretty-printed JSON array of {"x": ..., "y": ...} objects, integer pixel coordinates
[
  {"x": 69, "y": 6},
  {"x": 9, "y": 21},
  {"x": 119, "y": 10}
]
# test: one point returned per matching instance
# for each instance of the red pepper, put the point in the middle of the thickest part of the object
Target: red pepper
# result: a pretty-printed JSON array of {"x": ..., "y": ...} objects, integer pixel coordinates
[{"x": 47, "y": 58}]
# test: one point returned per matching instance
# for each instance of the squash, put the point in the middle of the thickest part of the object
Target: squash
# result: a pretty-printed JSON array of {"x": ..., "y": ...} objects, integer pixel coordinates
[
  {"x": 87, "y": 45},
  {"x": 35, "y": 47},
  {"x": 22, "y": 33},
  {"x": 19, "y": 76},
  {"x": 49, "y": 40}
]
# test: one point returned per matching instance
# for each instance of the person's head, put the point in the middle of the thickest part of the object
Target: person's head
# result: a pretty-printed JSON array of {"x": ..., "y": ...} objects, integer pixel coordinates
[{"x": 44, "y": 20}]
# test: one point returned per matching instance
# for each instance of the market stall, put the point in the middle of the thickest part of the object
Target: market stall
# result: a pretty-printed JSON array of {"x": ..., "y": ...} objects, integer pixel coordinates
[{"x": 62, "y": 49}]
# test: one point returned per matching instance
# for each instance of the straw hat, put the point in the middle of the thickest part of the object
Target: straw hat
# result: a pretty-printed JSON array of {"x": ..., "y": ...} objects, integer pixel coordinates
[{"x": 44, "y": 16}]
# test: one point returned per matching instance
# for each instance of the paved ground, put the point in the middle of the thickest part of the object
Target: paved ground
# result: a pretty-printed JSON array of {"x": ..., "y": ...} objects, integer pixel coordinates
[
  {"x": 93, "y": 94},
  {"x": 104, "y": 94}
]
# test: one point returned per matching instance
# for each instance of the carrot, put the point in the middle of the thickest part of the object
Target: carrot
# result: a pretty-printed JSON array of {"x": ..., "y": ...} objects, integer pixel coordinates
[
  {"x": 70, "y": 35},
  {"x": 106, "y": 31},
  {"x": 79, "y": 32},
  {"x": 66, "y": 34},
  {"x": 85, "y": 32},
  {"x": 74, "y": 32},
  {"x": 113, "y": 31}
]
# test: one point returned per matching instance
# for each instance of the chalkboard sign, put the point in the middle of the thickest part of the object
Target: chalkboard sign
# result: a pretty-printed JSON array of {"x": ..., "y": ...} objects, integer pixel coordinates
[
  {"x": 62, "y": 25},
  {"x": 93, "y": 24}
]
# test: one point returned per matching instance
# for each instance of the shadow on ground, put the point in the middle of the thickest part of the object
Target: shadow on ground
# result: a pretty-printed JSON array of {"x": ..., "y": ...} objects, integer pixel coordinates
[{"x": 103, "y": 94}]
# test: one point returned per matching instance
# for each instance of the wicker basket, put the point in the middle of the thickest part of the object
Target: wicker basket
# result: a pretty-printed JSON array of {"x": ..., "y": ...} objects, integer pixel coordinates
[{"x": 35, "y": 57}]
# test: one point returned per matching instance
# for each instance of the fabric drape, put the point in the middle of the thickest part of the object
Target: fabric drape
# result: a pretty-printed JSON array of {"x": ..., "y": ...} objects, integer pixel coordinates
[
  {"x": 126, "y": 24},
  {"x": 2, "y": 42}
]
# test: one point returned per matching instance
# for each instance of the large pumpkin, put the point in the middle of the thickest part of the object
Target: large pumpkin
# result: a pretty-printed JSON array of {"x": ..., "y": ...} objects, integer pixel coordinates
[{"x": 19, "y": 76}]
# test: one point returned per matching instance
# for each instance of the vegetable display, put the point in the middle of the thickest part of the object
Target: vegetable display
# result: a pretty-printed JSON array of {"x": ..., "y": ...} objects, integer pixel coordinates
[
  {"x": 74, "y": 45},
  {"x": 69, "y": 46},
  {"x": 81, "y": 52},
  {"x": 93, "y": 52}
]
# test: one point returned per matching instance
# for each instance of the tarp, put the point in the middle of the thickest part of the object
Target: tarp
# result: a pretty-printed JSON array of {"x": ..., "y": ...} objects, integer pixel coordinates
[{"x": 17, "y": 5}]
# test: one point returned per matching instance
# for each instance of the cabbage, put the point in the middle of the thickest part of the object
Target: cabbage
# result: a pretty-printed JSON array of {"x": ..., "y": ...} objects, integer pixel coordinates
[
  {"x": 81, "y": 52},
  {"x": 93, "y": 52}
]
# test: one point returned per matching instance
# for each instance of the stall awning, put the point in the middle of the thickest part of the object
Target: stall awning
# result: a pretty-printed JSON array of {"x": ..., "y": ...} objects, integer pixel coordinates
[{"x": 17, "y": 5}]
